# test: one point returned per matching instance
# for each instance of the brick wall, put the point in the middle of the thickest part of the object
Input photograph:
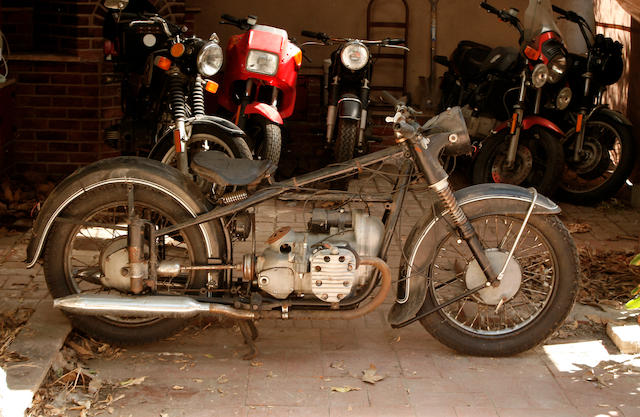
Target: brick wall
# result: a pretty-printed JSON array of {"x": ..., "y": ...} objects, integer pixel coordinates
[{"x": 64, "y": 100}]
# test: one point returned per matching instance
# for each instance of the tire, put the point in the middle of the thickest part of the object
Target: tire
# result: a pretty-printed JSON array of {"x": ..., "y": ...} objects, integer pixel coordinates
[
  {"x": 546, "y": 256},
  {"x": 539, "y": 161},
  {"x": 72, "y": 250},
  {"x": 346, "y": 139},
  {"x": 266, "y": 138},
  {"x": 609, "y": 158}
]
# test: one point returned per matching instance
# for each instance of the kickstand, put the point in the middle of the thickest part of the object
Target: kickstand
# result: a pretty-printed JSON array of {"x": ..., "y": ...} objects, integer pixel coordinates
[{"x": 249, "y": 333}]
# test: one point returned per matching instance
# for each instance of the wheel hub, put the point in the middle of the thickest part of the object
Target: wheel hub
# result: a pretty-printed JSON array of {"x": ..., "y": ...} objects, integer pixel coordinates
[
  {"x": 591, "y": 157},
  {"x": 114, "y": 263},
  {"x": 509, "y": 285},
  {"x": 518, "y": 172}
]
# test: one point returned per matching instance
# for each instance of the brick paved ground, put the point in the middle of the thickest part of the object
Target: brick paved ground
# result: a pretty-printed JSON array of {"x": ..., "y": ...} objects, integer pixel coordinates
[{"x": 300, "y": 362}]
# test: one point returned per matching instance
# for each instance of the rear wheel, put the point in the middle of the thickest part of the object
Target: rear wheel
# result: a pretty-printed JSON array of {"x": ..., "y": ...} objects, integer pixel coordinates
[
  {"x": 93, "y": 259},
  {"x": 605, "y": 162},
  {"x": 532, "y": 300},
  {"x": 539, "y": 161}
]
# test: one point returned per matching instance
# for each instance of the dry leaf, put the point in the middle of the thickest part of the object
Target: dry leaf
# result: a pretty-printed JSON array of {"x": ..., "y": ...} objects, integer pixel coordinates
[
  {"x": 208, "y": 355},
  {"x": 133, "y": 381},
  {"x": 369, "y": 375},
  {"x": 346, "y": 388},
  {"x": 222, "y": 379},
  {"x": 177, "y": 387},
  {"x": 256, "y": 363},
  {"x": 337, "y": 365},
  {"x": 198, "y": 380}
]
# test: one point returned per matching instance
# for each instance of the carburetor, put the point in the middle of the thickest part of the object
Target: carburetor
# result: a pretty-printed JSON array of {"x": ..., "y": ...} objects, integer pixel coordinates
[{"x": 324, "y": 264}]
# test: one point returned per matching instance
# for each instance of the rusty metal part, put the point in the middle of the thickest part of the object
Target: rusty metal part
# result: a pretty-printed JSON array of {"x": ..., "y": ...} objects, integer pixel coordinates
[
  {"x": 278, "y": 234},
  {"x": 137, "y": 264},
  {"x": 248, "y": 267}
]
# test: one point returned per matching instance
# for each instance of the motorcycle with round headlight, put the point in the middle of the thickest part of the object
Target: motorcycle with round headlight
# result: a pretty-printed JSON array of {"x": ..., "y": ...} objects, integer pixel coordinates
[
  {"x": 526, "y": 150},
  {"x": 259, "y": 83},
  {"x": 598, "y": 143},
  {"x": 347, "y": 86},
  {"x": 164, "y": 78}
]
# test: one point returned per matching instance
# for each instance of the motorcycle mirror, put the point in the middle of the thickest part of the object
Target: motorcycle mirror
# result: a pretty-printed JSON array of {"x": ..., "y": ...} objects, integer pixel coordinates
[{"x": 116, "y": 4}]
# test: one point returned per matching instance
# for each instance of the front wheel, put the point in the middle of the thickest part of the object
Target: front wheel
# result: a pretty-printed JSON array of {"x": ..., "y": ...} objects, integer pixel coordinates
[
  {"x": 539, "y": 161},
  {"x": 266, "y": 138},
  {"x": 604, "y": 164},
  {"x": 346, "y": 139},
  {"x": 533, "y": 298}
]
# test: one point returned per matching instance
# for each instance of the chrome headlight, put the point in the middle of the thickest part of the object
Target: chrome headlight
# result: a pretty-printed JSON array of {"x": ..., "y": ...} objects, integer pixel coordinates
[
  {"x": 354, "y": 55},
  {"x": 564, "y": 98},
  {"x": 262, "y": 62},
  {"x": 540, "y": 75},
  {"x": 210, "y": 59},
  {"x": 557, "y": 67}
]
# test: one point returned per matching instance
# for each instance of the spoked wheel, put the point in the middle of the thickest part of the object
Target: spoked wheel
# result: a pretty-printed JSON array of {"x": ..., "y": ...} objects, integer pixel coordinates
[
  {"x": 604, "y": 164},
  {"x": 90, "y": 256},
  {"x": 532, "y": 300},
  {"x": 539, "y": 161}
]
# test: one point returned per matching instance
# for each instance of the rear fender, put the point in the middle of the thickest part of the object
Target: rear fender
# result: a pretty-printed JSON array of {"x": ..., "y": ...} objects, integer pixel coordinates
[
  {"x": 129, "y": 170},
  {"x": 531, "y": 121},
  {"x": 428, "y": 231},
  {"x": 265, "y": 110}
]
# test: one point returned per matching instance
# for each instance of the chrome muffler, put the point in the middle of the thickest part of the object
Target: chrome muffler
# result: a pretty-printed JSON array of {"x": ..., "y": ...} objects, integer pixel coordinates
[{"x": 145, "y": 306}]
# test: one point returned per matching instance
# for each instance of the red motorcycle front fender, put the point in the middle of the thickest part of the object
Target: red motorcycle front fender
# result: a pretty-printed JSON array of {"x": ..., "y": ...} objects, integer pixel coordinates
[
  {"x": 263, "y": 109},
  {"x": 531, "y": 121}
]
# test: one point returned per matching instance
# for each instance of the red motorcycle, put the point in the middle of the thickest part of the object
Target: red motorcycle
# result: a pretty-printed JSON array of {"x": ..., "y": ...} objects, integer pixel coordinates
[{"x": 259, "y": 84}]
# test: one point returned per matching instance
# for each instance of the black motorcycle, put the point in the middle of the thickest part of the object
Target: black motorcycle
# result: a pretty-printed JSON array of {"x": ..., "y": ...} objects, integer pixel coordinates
[
  {"x": 347, "y": 89},
  {"x": 598, "y": 144},
  {"x": 163, "y": 74}
]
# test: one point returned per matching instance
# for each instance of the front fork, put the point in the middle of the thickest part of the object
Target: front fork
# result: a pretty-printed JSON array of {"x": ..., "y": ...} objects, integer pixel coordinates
[
  {"x": 516, "y": 123},
  {"x": 581, "y": 120},
  {"x": 438, "y": 181}
]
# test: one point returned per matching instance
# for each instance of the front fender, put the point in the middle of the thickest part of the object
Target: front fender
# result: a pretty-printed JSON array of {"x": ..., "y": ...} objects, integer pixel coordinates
[
  {"x": 131, "y": 170},
  {"x": 531, "y": 121},
  {"x": 214, "y": 125},
  {"x": 412, "y": 291},
  {"x": 265, "y": 110},
  {"x": 617, "y": 116},
  {"x": 349, "y": 107}
]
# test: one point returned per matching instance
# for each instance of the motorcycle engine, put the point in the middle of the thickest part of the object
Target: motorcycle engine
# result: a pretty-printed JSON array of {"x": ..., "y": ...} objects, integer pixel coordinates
[{"x": 322, "y": 262}]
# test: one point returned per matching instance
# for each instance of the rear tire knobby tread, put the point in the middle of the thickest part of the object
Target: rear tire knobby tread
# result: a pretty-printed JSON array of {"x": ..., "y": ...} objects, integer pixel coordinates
[
  {"x": 55, "y": 258},
  {"x": 346, "y": 137},
  {"x": 535, "y": 333}
]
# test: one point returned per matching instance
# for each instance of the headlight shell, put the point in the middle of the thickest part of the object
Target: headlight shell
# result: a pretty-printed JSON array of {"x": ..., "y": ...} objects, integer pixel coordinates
[
  {"x": 564, "y": 98},
  {"x": 539, "y": 75},
  {"x": 557, "y": 67},
  {"x": 354, "y": 55},
  {"x": 210, "y": 59},
  {"x": 262, "y": 62}
]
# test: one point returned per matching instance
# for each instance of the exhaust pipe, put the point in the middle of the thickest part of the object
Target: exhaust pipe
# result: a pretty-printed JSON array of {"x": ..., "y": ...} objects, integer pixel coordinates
[{"x": 145, "y": 306}]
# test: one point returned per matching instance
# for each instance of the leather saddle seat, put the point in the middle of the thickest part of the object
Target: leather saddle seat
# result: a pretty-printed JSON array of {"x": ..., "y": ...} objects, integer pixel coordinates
[{"x": 219, "y": 168}]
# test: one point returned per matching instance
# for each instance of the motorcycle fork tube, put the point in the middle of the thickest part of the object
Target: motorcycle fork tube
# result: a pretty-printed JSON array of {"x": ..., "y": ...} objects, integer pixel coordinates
[
  {"x": 332, "y": 109},
  {"x": 580, "y": 122},
  {"x": 516, "y": 123},
  {"x": 240, "y": 116},
  {"x": 135, "y": 245},
  {"x": 438, "y": 181},
  {"x": 364, "y": 99}
]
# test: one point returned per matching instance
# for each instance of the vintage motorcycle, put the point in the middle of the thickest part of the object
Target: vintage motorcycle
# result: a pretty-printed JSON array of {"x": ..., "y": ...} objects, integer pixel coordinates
[
  {"x": 598, "y": 144},
  {"x": 131, "y": 247},
  {"x": 259, "y": 84},
  {"x": 163, "y": 86},
  {"x": 347, "y": 86}
]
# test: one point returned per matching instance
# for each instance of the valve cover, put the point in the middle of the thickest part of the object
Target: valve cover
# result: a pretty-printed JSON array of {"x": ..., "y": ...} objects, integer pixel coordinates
[{"x": 333, "y": 273}]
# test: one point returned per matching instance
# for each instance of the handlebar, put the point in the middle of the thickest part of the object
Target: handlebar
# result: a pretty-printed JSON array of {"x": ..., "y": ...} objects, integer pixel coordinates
[
  {"x": 244, "y": 24},
  {"x": 489, "y": 8},
  {"x": 504, "y": 16}
]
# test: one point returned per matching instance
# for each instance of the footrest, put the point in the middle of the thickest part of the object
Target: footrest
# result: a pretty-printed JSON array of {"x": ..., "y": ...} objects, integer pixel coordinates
[{"x": 217, "y": 167}]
